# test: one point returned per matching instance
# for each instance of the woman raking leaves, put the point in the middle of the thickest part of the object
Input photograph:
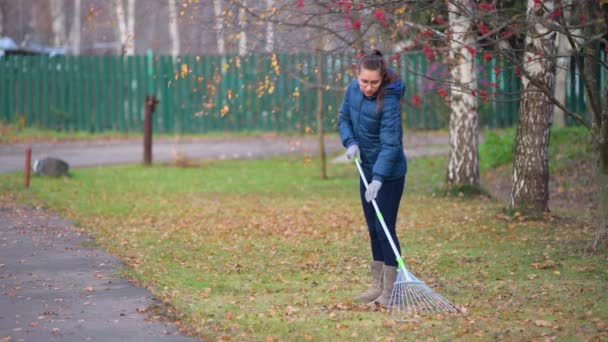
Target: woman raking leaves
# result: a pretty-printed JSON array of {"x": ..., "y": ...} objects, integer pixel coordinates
[{"x": 370, "y": 129}]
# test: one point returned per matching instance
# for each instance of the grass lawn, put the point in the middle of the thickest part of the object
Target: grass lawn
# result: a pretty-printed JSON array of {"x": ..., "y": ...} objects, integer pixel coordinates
[{"x": 265, "y": 250}]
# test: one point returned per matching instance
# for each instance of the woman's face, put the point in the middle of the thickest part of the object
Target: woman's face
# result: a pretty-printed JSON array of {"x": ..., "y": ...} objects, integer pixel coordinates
[{"x": 369, "y": 81}]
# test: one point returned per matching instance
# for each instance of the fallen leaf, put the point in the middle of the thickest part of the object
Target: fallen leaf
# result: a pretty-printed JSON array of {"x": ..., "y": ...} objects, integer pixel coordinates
[
  {"x": 542, "y": 323},
  {"x": 291, "y": 310}
]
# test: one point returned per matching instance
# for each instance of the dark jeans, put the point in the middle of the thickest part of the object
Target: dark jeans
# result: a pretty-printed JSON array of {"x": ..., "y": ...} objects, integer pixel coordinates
[{"x": 388, "y": 201}]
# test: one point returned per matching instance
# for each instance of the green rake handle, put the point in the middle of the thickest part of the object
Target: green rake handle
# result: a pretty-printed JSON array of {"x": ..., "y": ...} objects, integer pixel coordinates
[{"x": 400, "y": 261}]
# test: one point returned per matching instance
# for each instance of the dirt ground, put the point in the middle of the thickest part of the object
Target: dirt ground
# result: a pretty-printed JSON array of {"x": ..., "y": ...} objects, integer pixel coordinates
[{"x": 571, "y": 190}]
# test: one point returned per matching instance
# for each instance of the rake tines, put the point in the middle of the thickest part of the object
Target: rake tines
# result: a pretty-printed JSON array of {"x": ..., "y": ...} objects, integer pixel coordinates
[{"x": 412, "y": 296}]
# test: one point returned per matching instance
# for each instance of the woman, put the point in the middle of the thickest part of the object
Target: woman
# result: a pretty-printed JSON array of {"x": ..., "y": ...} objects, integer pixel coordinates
[{"x": 370, "y": 129}]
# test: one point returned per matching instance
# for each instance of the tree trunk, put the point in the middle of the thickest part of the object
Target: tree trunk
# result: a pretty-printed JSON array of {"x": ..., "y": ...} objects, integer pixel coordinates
[
  {"x": 243, "y": 32},
  {"x": 463, "y": 166},
  {"x": 130, "y": 27},
  {"x": 76, "y": 26},
  {"x": 597, "y": 104},
  {"x": 58, "y": 20},
  {"x": 173, "y": 29},
  {"x": 126, "y": 26},
  {"x": 122, "y": 26},
  {"x": 1, "y": 21},
  {"x": 320, "y": 132},
  {"x": 561, "y": 75},
  {"x": 600, "y": 241},
  {"x": 269, "y": 27},
  {"x": 530, "y": 188},
  {"x": 564, "y": 53},
  {"x": 219, "y": 27}
]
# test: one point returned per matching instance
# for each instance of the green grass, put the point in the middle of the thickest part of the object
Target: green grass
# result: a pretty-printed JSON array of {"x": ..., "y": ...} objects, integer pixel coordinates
[
  {"x": 15, "y": 133},
  {"x": 565, "y": 144},
  {"x": 243, "y": 250}
]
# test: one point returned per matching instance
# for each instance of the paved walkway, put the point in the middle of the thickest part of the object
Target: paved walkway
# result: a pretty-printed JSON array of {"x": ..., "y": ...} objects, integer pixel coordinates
[
  {"x": 55, "y": 287},
  {"x": 97, "y": 153}
]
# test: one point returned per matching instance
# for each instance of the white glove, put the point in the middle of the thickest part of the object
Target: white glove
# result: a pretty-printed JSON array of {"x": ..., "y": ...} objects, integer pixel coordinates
[
  {"x": 372, "y": 190},
  {"x": 352, "y": 152}
]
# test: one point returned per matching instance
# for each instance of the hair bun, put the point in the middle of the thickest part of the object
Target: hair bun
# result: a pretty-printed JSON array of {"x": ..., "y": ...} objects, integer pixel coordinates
[{"x": 375, "y": 52}]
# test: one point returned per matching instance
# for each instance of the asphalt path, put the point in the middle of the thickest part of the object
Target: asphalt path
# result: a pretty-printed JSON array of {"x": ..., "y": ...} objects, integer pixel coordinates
[
  {"x": 55, "y": 286},
  {"x": 99, "y": 153},
  {"x": 108, "y": 152}
]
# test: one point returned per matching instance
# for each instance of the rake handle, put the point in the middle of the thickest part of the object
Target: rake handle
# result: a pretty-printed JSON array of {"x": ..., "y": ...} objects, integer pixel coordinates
[{"x": 400, "y": 261}]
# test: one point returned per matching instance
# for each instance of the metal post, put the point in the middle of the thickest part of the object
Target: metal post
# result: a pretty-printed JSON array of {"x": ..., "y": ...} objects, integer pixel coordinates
[
  {"x": 28, "y": 168},
  {"x": 151, "y": 102}
]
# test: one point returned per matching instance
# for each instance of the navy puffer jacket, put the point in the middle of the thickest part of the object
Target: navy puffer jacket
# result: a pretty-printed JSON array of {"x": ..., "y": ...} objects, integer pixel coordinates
[{"x": 378, "y": 134}]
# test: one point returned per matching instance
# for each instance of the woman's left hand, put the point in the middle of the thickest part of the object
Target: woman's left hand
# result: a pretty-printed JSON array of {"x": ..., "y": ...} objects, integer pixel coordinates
[{"x": 372, "y": 190}]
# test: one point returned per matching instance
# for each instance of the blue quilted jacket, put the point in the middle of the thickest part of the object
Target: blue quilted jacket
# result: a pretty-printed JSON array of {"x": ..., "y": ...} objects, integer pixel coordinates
[{"x": 378, "y": 134}]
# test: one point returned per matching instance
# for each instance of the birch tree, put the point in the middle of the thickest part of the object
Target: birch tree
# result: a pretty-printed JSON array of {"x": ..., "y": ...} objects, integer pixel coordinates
[
  {"x": 463, "y": 165},
  {"x": 530, "y": 187},
  {"x": 219, "y": 27},
  {"x": 561, "y": 75},
  {"x": 126, "y": 26},
  {"x": 173, "y": 29},
  {"x": 1, "y": 21},
  {"x": 75, "y": 36},
  {"x": 564, "y": 55},
  {"x": 270, "y": 26},
  {"x": 58, "y": 22},
  {"x": 243, "y": 31}
]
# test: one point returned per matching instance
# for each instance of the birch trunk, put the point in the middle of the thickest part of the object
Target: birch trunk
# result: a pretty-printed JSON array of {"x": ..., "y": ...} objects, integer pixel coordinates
[
  {"x": 561, "y": 75},
  {"x": 58, "y": 23},
  {"x": 463, "y": 165},
  {"x": 130, "y": 27},
  {"x": 270, "y": 27},
  {"x": 173, "y": 29},
  {"x": 530, "y": 188},
  {"x": 564, "y": 52},
  {"x": 126, "y": 26},
  {"x": 76, "y": 24},
  {"x": 1, "y": 21},
  {"x": 219, "y": 27},
  {"x": 122, "y": 25},
  {"x": 243, "y": 32}
]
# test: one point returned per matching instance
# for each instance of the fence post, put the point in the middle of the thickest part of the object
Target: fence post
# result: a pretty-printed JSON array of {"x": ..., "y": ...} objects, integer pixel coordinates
[
  {"x": 150, "y": 105},
  {"x": 28, "y": 168},
  {"x": 151, "y": 102}
]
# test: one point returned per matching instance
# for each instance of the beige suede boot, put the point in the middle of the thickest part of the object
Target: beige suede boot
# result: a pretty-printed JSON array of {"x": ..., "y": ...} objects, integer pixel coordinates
[
  {"x": 390, "y": 275},
  {"x": 375, "y": 288}
]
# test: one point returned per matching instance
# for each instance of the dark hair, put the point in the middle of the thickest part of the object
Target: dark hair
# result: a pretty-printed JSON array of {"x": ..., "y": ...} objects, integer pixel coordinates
[{"x": 375, "y": 62}]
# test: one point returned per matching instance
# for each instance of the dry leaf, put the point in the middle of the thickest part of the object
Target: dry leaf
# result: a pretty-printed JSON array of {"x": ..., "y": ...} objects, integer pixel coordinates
[{"x": 542, "y": 323}]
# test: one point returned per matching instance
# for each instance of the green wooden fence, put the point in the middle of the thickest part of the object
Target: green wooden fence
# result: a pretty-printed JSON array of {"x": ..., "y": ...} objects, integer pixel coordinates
[{"x": 197, "y": 94}]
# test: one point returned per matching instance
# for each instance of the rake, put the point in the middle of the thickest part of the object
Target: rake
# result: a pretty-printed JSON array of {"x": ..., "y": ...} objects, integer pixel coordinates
[{"x": 410, "y": 296}]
